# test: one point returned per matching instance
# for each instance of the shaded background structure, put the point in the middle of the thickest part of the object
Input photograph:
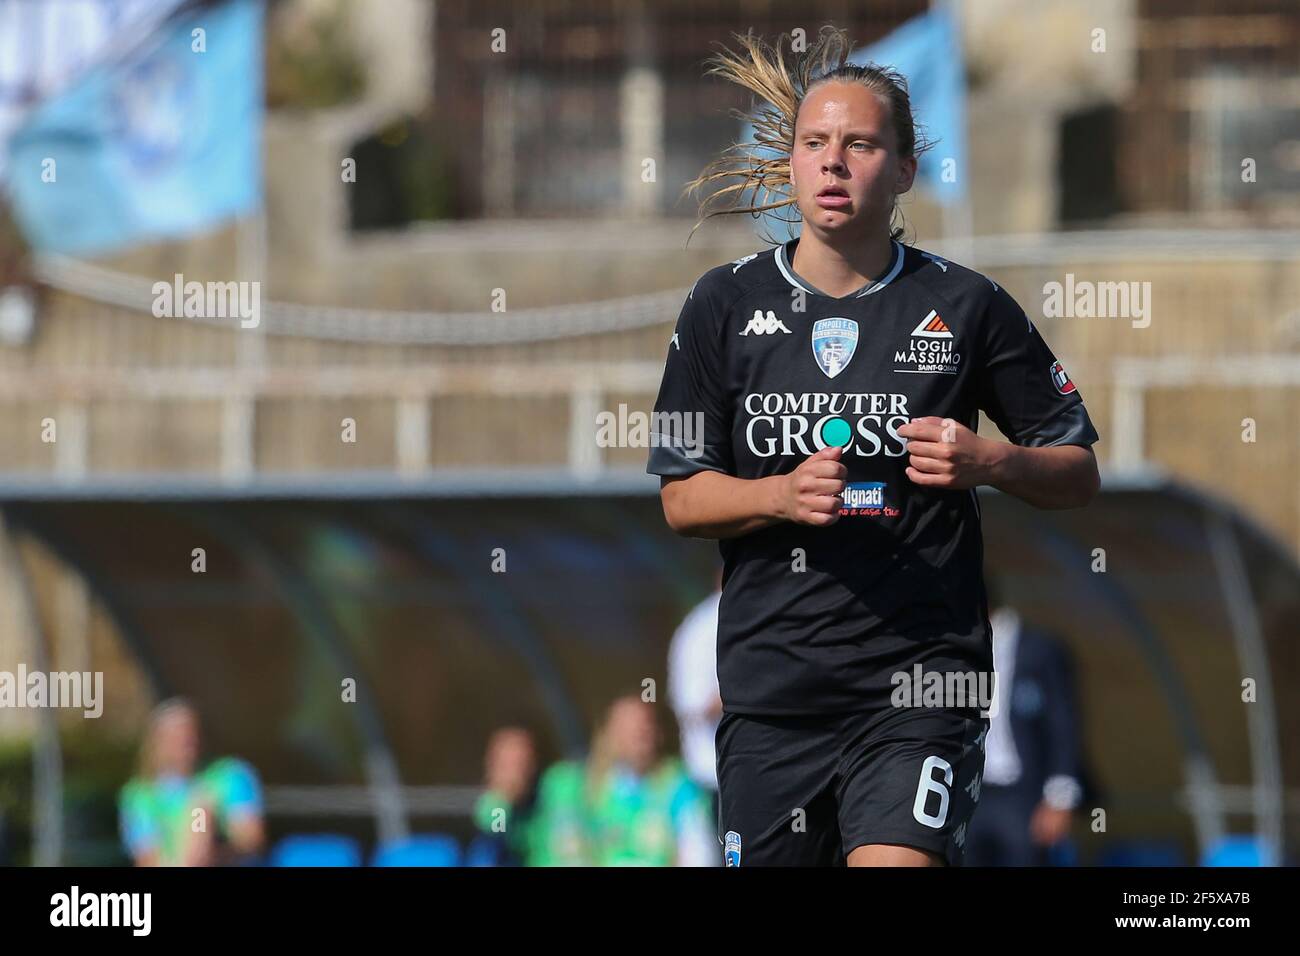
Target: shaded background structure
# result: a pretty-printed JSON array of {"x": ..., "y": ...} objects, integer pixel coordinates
[{"x": 1167, "y": 598}]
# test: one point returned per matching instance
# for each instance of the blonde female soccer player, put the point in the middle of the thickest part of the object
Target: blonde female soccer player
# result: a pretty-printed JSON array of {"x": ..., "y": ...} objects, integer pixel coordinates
[{"x": 837, "y": 380}]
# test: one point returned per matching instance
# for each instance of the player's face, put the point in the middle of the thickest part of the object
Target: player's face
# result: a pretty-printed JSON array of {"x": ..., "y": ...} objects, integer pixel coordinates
[{"x": 845, "y": 142}]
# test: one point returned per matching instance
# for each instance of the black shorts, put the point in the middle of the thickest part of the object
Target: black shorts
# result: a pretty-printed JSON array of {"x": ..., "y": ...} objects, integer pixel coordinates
[{"x": 808, "y": 790}]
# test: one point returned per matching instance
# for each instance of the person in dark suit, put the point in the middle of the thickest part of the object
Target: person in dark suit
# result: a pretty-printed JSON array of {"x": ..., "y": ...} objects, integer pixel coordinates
[{"x": 1033, "y": 779}]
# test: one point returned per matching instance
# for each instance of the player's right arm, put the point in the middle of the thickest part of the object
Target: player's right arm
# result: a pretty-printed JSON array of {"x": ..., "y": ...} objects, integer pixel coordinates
[
  {"x": 691, "y": 451},
  {"x": 712, "y": 505}
]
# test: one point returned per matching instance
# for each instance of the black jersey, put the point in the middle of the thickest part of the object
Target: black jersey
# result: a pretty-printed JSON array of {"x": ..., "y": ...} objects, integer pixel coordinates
[{"x": 763, "y": 370}]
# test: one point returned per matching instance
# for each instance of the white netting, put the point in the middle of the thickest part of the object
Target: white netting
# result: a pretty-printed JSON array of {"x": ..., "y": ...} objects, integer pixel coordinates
[
  {"x": 392, "y": 327},
  {"x": 388, "y": 327}
]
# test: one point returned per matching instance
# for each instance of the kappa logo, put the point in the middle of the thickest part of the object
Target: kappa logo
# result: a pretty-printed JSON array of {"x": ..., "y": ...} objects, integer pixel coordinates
[
  {"x": 932, "y": 326},
  {"x": 834, "y": 341},
  {"x": 1061, "y": 379},
  {"x": 762, "y": 324},
  {"x": 959, "y": 836},
  {"x": 731, "y": 849}
]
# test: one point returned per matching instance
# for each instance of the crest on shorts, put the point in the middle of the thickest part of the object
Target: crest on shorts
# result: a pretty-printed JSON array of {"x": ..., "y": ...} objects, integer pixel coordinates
[
  {"x": 731, "y": 849},
  {"x": 833, "y": 342}
]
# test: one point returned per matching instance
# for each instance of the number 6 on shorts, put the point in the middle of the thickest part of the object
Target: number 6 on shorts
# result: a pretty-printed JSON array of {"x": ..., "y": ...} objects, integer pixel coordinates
[{"x": 927, "y": 785}]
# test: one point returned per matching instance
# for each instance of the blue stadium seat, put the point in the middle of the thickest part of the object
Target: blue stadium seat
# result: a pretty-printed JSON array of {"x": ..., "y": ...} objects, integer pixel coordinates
[
  {"x": 1240, "y": 850},
  {"x": 435, "y": 849},
  {"x": 1142, "y": 853},
  {"x": 485, "y": 851},
  {"x": 318, "y": 849}
]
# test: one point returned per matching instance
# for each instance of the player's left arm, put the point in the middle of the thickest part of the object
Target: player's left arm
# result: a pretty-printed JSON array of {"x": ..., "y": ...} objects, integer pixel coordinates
[
  {"x": 946, "y": 454},
  {"x": 1025, "y": 391}
]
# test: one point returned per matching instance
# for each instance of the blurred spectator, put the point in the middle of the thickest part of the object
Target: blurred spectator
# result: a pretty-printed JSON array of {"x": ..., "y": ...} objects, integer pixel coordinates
[
  {"x": 157, "y": 808},
  {"x": 505, "y": 813},
  {"x": 645, "y": 810},
  {"x": 1033, "y": 765},
  {"x": 694, "y": 695},
  {"x": 526, "y": 820},
  {"x": 625, "y": 806},
  {"x": 559, "y": 831}
]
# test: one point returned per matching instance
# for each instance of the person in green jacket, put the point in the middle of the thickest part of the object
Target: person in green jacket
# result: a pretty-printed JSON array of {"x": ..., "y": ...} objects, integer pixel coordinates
[
  {"x": 644, "y": 808},
  {"x": 176, "y": 813},
  {"x": 624, "y": 806},
  {"x": 527, "y": 821}
]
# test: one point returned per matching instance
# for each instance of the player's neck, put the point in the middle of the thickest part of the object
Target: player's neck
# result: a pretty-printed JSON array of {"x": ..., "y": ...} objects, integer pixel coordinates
[{"x": 844, "y": 267}]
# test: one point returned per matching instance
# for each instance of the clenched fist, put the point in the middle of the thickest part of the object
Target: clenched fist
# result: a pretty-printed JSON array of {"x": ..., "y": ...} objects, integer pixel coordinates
[
  {"x": 812, "y": 493},
  {"x": 946, "y": 454}
]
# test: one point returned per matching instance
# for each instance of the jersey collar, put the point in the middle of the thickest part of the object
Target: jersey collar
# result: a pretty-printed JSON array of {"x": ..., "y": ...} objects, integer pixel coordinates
[{"x": 782, "y": 256}]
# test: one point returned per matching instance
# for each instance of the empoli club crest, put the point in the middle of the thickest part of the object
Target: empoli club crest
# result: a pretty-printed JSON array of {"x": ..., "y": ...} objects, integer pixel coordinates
[{"x": 834, "y": 341}]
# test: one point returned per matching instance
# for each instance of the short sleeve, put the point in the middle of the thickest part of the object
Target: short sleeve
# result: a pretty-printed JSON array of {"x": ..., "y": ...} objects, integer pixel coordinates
[
  {"x": 1022, "y": 386},
  {"x": 691, "y": 429},
  {"x": 138, "y": 826},
  {"x": 245, "y": 793},
  {"x": 237, "y": 790}
]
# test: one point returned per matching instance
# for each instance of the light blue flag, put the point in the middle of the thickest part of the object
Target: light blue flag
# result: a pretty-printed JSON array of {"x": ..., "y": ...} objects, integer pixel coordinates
[
  {"x": 927, "y": 51},
  {"x": 161, "y": 142}
]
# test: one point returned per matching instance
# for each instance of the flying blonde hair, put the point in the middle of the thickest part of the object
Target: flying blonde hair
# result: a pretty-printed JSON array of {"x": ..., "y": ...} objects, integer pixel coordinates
[{"x": 763, "y": 166}]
